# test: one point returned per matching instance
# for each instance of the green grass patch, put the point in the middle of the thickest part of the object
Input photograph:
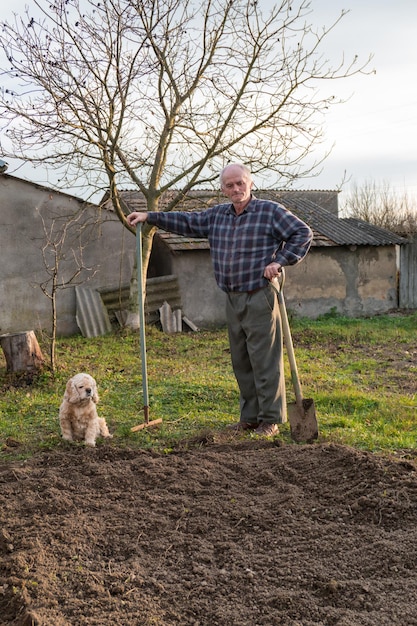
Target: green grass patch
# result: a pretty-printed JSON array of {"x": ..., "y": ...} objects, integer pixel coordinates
[{"x": 361, "y": 374}]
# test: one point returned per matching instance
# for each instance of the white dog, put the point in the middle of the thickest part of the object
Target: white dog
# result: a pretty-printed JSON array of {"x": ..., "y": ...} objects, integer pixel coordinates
[{"x": 78, "y": 414}]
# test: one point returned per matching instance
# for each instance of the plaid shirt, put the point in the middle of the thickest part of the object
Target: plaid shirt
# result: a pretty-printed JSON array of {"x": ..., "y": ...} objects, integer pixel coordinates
[{"x": 241, "y": 246}]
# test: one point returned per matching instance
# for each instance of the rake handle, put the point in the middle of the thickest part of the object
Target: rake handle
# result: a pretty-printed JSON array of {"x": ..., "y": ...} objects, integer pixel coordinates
[{"x": 142, "y": 321}]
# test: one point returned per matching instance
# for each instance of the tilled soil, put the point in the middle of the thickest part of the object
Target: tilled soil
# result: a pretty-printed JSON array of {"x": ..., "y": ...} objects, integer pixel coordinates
[{"x": 236, "y": 533}]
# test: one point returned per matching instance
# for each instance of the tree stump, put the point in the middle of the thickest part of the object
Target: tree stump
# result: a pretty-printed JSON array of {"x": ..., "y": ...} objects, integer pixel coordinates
[{"x": 22, "y": 352}]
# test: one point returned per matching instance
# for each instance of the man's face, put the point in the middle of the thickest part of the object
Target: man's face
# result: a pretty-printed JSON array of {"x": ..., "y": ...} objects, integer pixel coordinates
[{"x": 236, "y": 185}]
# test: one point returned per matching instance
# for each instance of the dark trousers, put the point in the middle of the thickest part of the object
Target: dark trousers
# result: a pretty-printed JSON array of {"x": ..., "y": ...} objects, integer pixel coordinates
[{"x": 255, "y": 336}]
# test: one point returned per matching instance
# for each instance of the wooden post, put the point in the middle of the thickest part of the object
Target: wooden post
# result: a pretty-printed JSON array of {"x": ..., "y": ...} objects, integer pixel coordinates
[{"x": 22, "y": 352}]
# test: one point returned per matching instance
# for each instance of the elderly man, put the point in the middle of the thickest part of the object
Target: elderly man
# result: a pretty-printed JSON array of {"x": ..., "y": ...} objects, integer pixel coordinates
[{"x": 250, "y": 241}]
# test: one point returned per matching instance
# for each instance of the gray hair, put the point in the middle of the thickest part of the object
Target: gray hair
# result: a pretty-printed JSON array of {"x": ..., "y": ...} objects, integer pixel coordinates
[{"x": 245, "y": 169}]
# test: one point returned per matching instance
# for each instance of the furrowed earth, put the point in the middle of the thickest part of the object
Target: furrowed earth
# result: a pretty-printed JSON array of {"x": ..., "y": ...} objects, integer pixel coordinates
[{"x": 230, "y": 531}]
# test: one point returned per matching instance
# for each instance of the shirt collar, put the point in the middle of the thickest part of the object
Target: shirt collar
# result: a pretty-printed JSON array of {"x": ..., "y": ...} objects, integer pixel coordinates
[{"x": 249, "y": 208}]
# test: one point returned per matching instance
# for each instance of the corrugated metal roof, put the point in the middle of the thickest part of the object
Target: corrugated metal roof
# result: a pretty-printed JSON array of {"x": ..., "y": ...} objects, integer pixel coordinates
[
  {"x": 380, "y": 235},
  {"x": 343, "y": 232},
  {"x": 328, "y": 228},
  {"x": 200, "y": 199}
]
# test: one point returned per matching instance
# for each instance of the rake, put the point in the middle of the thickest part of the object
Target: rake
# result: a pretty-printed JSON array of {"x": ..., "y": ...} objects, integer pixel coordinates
[{"x": 141, "y": 303}]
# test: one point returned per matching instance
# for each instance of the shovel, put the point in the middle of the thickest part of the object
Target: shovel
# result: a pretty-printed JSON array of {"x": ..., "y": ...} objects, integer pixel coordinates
[{"x": 302, "y": 413}]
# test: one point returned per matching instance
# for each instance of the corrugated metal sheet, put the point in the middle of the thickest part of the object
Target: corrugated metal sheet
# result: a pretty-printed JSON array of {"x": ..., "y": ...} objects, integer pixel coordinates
[
  {"x": 158, "y": 290},
  {"x": 91, "y": 314},
  {"x": 380, "y": 236},
  {"x": 343, "y": 232},
  {"x": 115, "y": 298}
]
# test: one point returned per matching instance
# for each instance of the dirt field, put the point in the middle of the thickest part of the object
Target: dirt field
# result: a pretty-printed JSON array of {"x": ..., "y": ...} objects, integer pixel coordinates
[{"x": 231, "y": 533}]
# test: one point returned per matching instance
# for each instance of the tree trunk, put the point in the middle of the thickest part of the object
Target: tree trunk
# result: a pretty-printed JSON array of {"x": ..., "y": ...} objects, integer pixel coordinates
[
  {"x": 22, "y": 352},
  {"x": 132, "y": 321}
]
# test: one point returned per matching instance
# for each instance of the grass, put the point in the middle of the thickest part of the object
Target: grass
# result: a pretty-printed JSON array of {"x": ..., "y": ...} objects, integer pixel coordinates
[{"x": 361, "y": 374}]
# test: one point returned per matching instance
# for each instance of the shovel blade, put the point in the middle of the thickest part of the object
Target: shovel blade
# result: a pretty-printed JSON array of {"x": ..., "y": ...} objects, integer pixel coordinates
[{"x": 303, "y": 421}]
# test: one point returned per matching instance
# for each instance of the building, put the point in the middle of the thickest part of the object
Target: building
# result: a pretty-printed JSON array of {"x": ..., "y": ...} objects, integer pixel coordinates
[
  {"x": 43, "y": 231},
  {"x": 352, "y": 267}
]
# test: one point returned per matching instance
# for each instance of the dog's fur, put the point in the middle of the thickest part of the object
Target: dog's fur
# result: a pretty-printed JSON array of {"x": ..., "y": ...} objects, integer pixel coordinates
[{"x": 78, "y": 414}]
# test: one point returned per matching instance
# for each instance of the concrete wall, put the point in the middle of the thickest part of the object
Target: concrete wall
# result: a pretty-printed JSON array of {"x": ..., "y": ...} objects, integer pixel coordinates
[
  {"x": 354, "y": 281},
  {"x": 202, "y": 301},
  {"x": 30, "y": 215}
]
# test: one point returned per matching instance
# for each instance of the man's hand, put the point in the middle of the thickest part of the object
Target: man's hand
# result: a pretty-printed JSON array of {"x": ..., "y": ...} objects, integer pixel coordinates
[
  {"x": 272, "y": 270},
  {"x": 136, "y": 217}
]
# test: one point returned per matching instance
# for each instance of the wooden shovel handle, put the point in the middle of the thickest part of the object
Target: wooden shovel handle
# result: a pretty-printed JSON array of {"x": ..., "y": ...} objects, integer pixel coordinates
[{"x": 288, "y": 340}]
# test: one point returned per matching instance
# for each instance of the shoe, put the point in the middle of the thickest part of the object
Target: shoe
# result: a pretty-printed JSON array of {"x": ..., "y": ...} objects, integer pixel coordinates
[
  {"x": 241, "y": 426},
  {"x": 265, "y": 429}
]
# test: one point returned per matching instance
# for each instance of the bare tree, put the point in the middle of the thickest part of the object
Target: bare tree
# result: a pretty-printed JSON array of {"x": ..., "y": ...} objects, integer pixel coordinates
[
  {"x": 380, "y": 205},
  {"x": 62, "y": 254},
  {"x": 158, "y": 95}
]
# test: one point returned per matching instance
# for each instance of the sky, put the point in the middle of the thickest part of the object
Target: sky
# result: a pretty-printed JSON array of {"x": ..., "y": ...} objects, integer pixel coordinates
[{"x": 373, "y": 135}]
